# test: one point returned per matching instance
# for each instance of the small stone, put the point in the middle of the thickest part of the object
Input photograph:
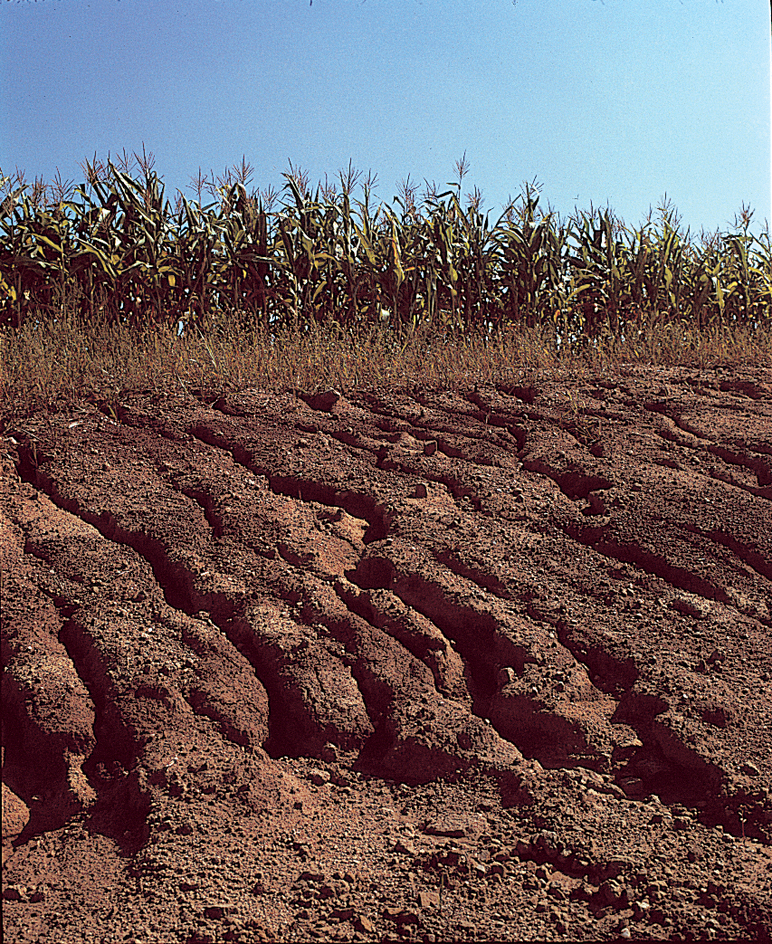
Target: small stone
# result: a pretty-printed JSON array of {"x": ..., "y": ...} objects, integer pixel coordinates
[
  {"x": 324, "y": 401},
  {"x": 404, "y": 848},
  {"x": 15, "y": 816},
  {"x": 617, "y": 865},
  {"x": 690, "y": 607},
  {"x": 401, "y": 916},
  {"x": 611, "y": 892},
  {"x": 506, "y": 675},
  {"x": 428, "y": 900},
  {"x": 329, "y": 753},
  {"x": 14, "y": 893},
  {"x": 364, "y": 925},
  {"x": 198, "y": 936},
  {"x": 750, "y": 770},
  {"x": 318, "y": 777},
  {"x": 451, "y": 828}
]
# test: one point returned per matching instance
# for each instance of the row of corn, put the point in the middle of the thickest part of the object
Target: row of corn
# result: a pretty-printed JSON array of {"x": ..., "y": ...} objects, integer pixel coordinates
[{"x": 117, "y": 249}]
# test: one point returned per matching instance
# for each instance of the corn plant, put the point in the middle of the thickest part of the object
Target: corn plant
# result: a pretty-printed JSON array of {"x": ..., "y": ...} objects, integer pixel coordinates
[{"x": 117, "y": 247}]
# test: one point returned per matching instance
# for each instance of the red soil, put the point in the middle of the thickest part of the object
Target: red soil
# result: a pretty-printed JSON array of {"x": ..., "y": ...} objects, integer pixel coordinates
[{"x": 492, "y": 664}]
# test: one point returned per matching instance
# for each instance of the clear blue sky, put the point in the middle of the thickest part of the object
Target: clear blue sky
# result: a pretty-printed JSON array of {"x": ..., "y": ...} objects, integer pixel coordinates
[{"x": 605, "y": 101}]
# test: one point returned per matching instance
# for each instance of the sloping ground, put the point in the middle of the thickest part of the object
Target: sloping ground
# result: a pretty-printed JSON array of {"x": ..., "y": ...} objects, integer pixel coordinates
[{"x": 483, "y": 665}]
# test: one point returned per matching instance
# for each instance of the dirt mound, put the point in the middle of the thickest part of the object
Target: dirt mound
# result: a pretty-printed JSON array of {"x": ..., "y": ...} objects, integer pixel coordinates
[{"x": 481, "y": 665}]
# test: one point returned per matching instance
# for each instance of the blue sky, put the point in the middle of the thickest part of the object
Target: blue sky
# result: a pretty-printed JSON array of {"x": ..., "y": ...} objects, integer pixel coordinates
[{"x": 602, "y": 101}]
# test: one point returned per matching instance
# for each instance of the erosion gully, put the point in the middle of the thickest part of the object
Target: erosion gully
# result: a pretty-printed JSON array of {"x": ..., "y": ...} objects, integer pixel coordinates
[{"x": 475, "y": 664}]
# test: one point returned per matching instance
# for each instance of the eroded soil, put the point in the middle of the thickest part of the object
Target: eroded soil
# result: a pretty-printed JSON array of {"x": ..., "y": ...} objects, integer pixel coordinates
[{"x": 492, "y": 664}]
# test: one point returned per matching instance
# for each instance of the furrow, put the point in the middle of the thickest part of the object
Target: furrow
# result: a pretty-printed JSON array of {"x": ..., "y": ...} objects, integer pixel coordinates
[
  {"x": 666, "y": 410},
  {"x": 112, "y": 766},
  {"x": 485, "y": 581},
  {"x": 48, "y": 711},
  {"x": 760, "y": 466},
  {"x": 292, "y": 727},
  {"x": 386, "y": 611},
  {"x": 475, "y": 633},
  {"x": 599, "y": 540},
  {"x": 176, "y": 582},
  {"x": 457, "y": 489},
  {"x": 417, "y": 735},
  {"x": 427, "y": 426},
  {"x": 574, "y": 483},
  {"x": 609, "y": 673},
  {"x": 208, "y": 506},
  {"x": 303, "y": 489},
  {"x": 504, "y": 678}
]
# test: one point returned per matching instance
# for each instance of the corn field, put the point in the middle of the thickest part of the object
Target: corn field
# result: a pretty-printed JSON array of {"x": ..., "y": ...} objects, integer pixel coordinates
[{"x": 117, "y": 250}]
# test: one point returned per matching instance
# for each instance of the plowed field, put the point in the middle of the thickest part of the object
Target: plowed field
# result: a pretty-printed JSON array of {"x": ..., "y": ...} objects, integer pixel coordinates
[{"x": 466, "y": 665}]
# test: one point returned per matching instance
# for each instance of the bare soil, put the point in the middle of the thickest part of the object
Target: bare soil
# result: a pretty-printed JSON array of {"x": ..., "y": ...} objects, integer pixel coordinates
[{"x": 473, "y": 665}]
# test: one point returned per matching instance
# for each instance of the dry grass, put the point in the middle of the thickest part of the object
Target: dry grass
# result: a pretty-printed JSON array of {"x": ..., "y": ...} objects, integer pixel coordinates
[{"x": 49, "y": 365}]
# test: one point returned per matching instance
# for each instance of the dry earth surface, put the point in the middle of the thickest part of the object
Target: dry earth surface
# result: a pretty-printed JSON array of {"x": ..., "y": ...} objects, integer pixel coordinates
[{"x": 474, "y": 665}]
